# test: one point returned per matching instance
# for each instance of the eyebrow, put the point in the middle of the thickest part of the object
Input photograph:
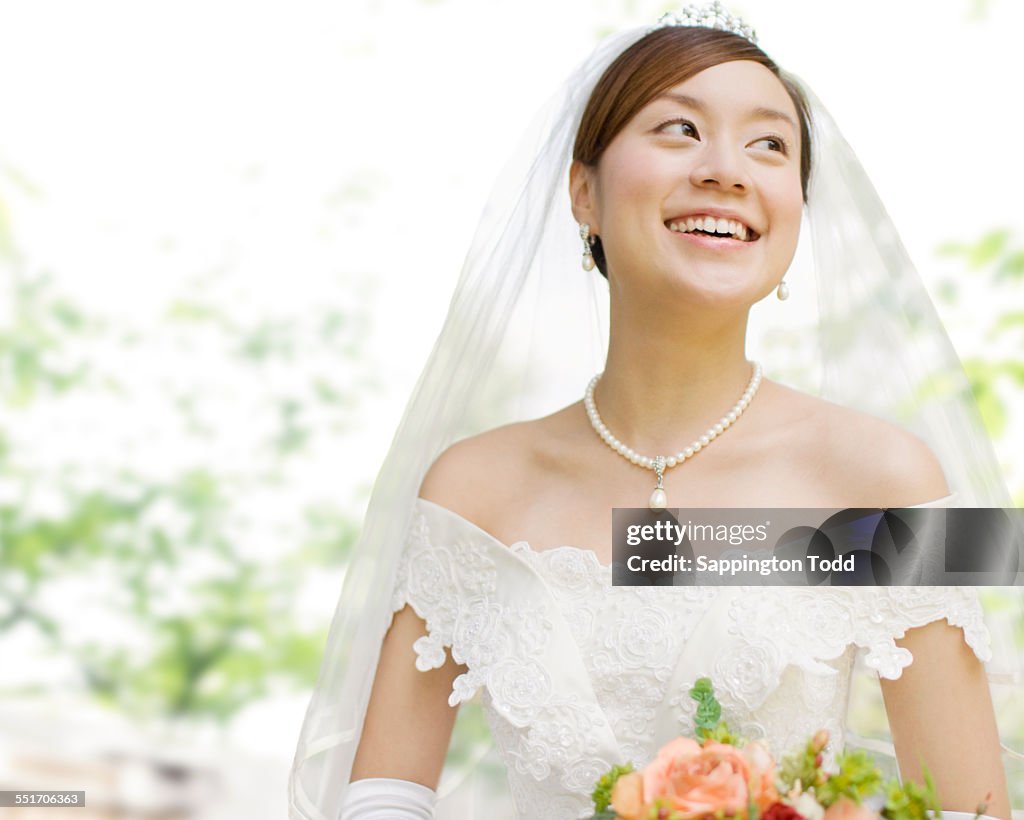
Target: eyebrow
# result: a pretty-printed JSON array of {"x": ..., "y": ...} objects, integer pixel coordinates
[{"x": 758, "y": 113}]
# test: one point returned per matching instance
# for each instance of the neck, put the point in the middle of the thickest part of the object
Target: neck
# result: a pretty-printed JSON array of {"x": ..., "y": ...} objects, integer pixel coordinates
[{"x": 665, "y": 383}]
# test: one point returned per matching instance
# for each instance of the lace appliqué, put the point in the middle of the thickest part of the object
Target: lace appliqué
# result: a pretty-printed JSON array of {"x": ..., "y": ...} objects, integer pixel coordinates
[
  {"x": 785, "y": 670},
  {"x": 507, "y": 637},
  {"x": 451, "y": 585},
  {"x": 630, "y": 639},
  {"x": 805, "y": 627}
]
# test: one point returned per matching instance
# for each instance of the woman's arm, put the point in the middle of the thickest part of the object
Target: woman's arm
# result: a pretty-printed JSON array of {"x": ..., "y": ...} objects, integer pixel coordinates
[
  {"x": 940, "y": 711},
  {"x": 408, "y": 722}
]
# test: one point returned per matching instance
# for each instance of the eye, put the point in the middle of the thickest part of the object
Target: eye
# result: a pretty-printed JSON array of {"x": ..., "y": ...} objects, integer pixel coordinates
[
  {"x": 678, "y": 127},
  {"x": 776, "y": 143}
]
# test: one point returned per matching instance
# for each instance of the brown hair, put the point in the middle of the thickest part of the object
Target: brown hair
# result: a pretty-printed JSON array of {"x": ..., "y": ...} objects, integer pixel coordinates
[{"x": 662, "y": 59}]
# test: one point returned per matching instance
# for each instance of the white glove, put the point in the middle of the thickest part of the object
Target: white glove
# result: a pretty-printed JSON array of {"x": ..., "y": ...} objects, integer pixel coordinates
[{"x": 385, "y": 798}]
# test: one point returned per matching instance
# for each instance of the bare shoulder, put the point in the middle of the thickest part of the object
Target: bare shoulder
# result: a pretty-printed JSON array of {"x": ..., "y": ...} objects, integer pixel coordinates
[
  {"x": 881, "y": 462},
  {"x": 472, "y": 476}
]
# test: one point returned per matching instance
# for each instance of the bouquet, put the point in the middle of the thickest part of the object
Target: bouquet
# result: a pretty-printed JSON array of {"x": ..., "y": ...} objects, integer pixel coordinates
[{"x": 718, "y": 775}]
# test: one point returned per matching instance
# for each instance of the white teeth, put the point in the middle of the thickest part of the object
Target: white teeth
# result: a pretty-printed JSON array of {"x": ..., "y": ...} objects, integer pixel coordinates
[{"x": 710, "y": 224}]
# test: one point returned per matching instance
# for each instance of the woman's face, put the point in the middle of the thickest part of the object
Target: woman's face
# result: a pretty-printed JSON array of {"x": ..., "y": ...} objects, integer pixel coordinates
[{"x": 718, "y": 152}]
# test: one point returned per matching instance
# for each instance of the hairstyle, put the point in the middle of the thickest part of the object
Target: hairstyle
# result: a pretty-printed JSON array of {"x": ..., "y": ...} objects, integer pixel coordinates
[{"x": 662, "y": 59}]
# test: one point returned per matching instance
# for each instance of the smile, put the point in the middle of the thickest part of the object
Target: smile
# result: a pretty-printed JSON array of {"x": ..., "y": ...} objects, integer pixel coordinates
[{"x": 709, "y": 226}]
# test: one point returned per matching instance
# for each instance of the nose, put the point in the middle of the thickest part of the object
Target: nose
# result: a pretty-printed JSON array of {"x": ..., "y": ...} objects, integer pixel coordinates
[{"x": 720, "y": 166}]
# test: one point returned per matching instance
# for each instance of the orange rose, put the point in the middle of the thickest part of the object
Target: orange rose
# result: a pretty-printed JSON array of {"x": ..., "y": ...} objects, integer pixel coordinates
[
  {"x": 762, "y": 775},
  {"x": 628, "y": 795},
  {"x": 695, "y": 780},
  {"x": 657, "y": 773},
  {"x": 846, "y": 809}
]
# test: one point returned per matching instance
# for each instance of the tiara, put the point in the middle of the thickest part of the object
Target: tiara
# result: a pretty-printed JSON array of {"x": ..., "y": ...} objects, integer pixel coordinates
[{"x": 710, "y": 15}]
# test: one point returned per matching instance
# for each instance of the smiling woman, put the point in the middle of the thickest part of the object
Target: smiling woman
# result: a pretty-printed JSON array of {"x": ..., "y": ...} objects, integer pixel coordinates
[
  {"x": 710, "y": 130},
  {"x": 483, "y": 567},
  {"x": 638, "y": 83}
]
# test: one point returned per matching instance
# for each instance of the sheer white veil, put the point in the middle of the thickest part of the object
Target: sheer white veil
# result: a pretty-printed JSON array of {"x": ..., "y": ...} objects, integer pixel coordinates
[{"x": 527, "y": 328}]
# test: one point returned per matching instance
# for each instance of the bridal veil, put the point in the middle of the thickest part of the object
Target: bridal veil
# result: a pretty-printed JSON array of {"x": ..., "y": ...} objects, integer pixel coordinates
[{"x": 527, "y": 328}]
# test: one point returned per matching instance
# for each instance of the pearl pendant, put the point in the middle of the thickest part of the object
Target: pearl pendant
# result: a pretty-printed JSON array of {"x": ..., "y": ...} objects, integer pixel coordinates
[
  {"x": 782, "y": 291},
  {"x": 659, "y": 499},
  {"x": 588, "y": 261}
]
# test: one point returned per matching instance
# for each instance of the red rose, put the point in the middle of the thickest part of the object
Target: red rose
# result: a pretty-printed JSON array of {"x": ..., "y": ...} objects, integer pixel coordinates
[{"x": 781, "y": 811}]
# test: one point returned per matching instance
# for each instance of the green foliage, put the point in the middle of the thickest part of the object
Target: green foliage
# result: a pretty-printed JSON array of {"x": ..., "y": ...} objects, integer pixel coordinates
[
  {"x": 1011, "y": 267},
  {"x": 994, "y": 265},
  {"x": 910, "y": 801},
  {"x": 803, "y": 766},
  {"x": 709, "y": 711},
  {"x": 708, "y": 723},
  {"x": 212, "y": 660},
  {"x": 987, "y": 249},
  {"x": 979, "y": 9},
  {"x": 211, "y": 622},
  {"x": 229, "y": 642},
  {"x": 857, "y": 778},
  {"x": 602, "y": 794},
  {"x": 36, "y": 348},
  {"x": 982, "y": 252},
  {"x": 722, "y": 734}
]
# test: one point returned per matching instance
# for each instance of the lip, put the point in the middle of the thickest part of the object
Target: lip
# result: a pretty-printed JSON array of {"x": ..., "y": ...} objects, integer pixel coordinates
[
  {"x": 715, "y": 243},
  {"x": 718, "y": 213}
]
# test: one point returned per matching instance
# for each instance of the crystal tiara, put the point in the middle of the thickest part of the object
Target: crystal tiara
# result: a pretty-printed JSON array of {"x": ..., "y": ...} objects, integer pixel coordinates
[{"x": 709, "y": 15}]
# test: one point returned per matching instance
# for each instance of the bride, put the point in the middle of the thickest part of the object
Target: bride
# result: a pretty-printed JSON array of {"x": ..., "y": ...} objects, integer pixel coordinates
[{"x": 692, "y": 163}]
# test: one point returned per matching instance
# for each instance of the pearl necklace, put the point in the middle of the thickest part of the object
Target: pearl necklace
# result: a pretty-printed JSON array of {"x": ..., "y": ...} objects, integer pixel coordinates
[{"x": 659, "y": 500}]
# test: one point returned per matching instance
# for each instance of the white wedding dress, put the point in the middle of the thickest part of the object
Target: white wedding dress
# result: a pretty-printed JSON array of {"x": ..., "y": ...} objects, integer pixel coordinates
[{"x": 575, "y": 675}]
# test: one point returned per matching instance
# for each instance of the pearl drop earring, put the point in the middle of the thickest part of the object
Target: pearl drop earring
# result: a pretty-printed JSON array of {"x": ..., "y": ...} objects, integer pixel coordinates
[
  {"x": 588, "y": 257},
  {"x": 782, "y": 291}
]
